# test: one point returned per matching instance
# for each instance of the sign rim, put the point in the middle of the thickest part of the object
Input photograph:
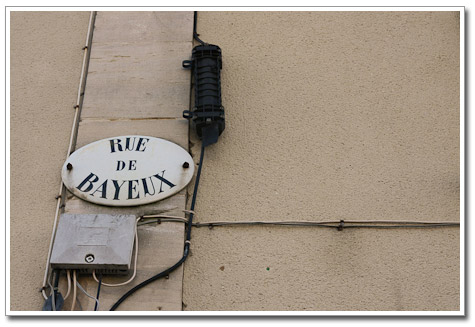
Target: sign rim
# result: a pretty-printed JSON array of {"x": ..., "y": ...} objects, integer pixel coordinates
[{"x": 84, "y": 196}]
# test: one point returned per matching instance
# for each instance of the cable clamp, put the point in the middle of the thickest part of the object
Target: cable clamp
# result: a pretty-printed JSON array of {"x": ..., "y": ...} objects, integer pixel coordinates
[
  {"x": 189, "y": 212},
  {"x": 187, "y": 64},
  {"x": 187, "y": 114},
  {"x": 188, "y": 242},
  {"x": 340, "y": 226},
  {"x": 58, "y": 197}
]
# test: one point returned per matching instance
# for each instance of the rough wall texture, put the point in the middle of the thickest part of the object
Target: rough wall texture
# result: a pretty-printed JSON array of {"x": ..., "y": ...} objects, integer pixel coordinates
[
  {"x": 46, "y": 58},
  {"x": 331, "y": 115},
  {"x": 136, "y": 86}
]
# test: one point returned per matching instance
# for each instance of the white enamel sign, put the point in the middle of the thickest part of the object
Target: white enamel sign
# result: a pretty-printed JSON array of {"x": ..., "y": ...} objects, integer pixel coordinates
[{"x": 127, "y": 170}]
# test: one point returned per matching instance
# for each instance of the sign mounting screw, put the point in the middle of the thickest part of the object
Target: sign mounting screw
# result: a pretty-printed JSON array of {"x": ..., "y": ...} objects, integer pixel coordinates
[
  {"x": 69, "y": 166},
  {"x": 186, "y": 165}
]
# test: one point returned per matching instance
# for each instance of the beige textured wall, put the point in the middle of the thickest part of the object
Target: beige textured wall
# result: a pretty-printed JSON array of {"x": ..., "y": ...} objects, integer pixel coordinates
[
  {"x": 331, "y": 115},
  {"x": 46, "y": 58}
]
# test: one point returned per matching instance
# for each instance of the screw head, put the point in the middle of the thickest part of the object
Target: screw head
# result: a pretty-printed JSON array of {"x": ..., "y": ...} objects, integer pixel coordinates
[
  {"x": 89, "y": 258},
  {"x": 69, "y": 166},
  {"x": 186, "y": 165}
]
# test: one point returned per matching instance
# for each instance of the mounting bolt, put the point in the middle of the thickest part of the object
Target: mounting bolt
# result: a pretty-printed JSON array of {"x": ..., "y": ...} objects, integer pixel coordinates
[
  {"x": 89, "y": 258},
  {"x": 186, "y": 165},
  {"x": 69, "y": 166}
]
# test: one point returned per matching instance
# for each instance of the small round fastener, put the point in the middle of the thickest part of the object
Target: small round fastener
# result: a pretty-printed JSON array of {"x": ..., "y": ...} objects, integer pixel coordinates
[
  {"x": 69, "y": 166},
  {"x": 186, "y": 165},
  {"x": 89, "y": 258}
]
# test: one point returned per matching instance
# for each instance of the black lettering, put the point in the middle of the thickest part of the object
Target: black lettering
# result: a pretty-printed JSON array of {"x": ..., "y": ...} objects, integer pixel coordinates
[
  {"x": 145, "y": 186},
  {"x": 141, "y": 142},
  {"x": 132, "y": 164},
  {"x": 163, "y": 180},
  {"x": 129, "y": 146},
  {"x": 120, "y": 165},
  {"x": 117, "y": 188},
  {"x": 103, "y": 188},
  {"x": 133, "y": 188},
  {"x": 115, "y": 142},
  {"x": 89, "y": 180}
]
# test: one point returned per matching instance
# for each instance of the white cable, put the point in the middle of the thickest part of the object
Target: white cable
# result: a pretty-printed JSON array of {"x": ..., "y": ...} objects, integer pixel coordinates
[
  {"x": 68, "y": 277},
  {"x": 172, "y": 218},
  {"x": 74, "y": 290},
  {"x": 53, "y": 302},
  {"x": 73, "y": 132},
  {"x": 45, "y": 279},
  {"x": 135, "y": 262},
  {"x": 87, "y": 294}
]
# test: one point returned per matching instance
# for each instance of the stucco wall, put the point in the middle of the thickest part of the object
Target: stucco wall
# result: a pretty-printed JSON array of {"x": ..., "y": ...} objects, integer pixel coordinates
[
  {"x": 45, "y": 66},
  {"x": 329, "y": 116}
]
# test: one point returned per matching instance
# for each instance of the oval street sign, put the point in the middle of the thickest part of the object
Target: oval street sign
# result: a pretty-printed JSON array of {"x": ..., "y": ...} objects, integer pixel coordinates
[{"x": 127, "y": 170}]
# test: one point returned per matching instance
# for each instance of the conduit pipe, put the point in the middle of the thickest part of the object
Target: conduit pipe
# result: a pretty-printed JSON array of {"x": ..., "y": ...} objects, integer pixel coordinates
[{"x": 72, "y": 141}]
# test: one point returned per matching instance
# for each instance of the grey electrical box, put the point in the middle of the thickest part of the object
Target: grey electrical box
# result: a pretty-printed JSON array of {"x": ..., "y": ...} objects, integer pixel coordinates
[{"x": 94, "y": 242}]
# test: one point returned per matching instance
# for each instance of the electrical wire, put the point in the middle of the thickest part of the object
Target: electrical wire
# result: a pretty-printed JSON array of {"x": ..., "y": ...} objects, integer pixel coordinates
[
  {"x": 55, "y": 288},
  {"x": 53, "y": 304},
  {"x": 79, "y": 305},
  {"x": 164, "y": 218},
  {"x": 327, "y": 224},
  {"x": 195, "y": 34},
  {"x": 87, "y": 294},
  {"x": 74, "y": 290},
  {"x": 68, "y": 277},
  {"x": 135, "y": 262},
  {"x": 186, "y": 247},
  {"x": 96, "y": 307},
  {"x": 77, "y": 108},
  {"x": 342, "y": 224}
]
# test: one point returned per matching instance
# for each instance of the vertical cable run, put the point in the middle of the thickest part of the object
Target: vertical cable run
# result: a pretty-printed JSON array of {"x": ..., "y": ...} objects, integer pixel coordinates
[
  {"x": 96, "y": 306},
  {"x": 72, "y": 139},
  {"x": 186, "y": 250}
]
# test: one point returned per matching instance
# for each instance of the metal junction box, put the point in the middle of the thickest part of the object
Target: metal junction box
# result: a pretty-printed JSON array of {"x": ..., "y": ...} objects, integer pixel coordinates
[{"x": 94, "y": 242}]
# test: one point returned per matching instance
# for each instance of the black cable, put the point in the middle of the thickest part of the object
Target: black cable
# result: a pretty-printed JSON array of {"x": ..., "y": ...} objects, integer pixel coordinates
[
  {"x": 327, "y": 225},
  {"x": 98, "y": 292},
  {"x": 195, "y": 34},
  {"x": 187, "y": 243},
  {"x": 55, "y": 289},
  {"x": 353, "y": 224},
  {"x": 195, "y": 191},
  {"x": 403, "y": 226},
  {"x": 56, "y": 281}
]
